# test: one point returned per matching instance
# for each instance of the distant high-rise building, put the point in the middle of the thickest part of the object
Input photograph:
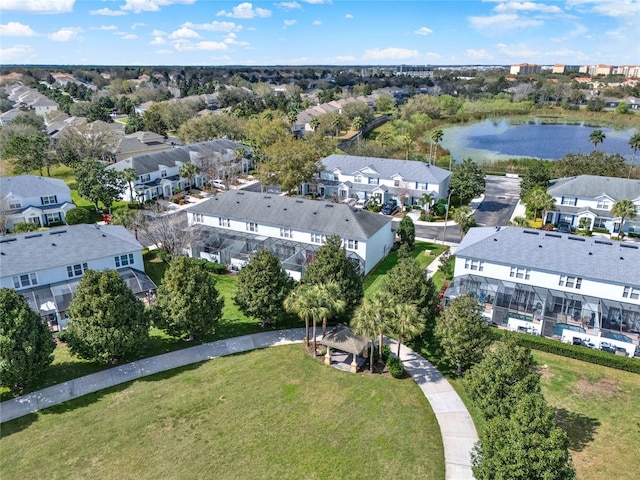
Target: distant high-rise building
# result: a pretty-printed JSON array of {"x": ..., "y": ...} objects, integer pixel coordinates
[{"x": 525, "y": 69}]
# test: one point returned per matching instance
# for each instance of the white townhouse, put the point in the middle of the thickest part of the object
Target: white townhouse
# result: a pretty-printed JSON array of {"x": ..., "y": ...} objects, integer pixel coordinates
[
  {"x": 46, "y": 266},
  {"x": 592, "y": 197},
  {"x": 347, "y": 176},
  {"x": 30, "y": 198},
  {"x": 231, "y": 226},
  {"x": 547, "y": 282},
  {"x": 159, "y": 172}
]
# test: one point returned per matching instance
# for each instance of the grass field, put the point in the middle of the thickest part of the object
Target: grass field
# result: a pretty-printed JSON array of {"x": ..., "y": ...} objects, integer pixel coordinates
[{"x": 272, "y": 413}]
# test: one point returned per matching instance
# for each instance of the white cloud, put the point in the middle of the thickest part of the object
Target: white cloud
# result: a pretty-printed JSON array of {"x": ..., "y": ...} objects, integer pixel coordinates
[
  {"x": 158, "y": 33},
  {"x": 129, "y": 36},
  {"x": 184, "y": 33},
  {"x": 576, "y": 32},
  {"x": 608, "y": 8},
  {"x": 108, "y": 12},
  {"x": 187, "y": 46},
  {"x": 316, "y": 22},
  {"x": 245, "y": 10},
  {"x": 317, "y": 2},
  {"x": 526, "y": 7},
  {"x": 231, "y": 40},
  {"x": 38, "y": 6},
  {"x": 423, "y": 31},
  {"x": 164, "y": 52},
  {"x": 157, "y": 41},
  {"x": 391, "y": 53},
  {"x": 349, "y": 16},
  {"x": 137, "y": 6},
  {"x": 496, "y": 24},
  {"x": 288, "y": 23},
  {"x": 214, "y": 26},
  {"x": 105, "y": 28},
  {"x": 136, "y": 25},
  {"x": 342, "y": 58},
  {"x": 65, "y": 34},
  {"x": 288, "y": 5},
  {"x": 481, "y": 54},
  {"x": 16, "y": 29},
  {"x": 17, "y": 52}
]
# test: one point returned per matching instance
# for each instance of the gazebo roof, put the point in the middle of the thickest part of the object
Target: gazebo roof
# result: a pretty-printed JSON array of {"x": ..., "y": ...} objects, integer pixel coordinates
[{"x": 342, "y": 338}]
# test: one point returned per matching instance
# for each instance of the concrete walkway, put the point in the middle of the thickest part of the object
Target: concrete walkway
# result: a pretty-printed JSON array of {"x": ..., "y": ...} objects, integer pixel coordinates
[{"x": 456, "y": 426}]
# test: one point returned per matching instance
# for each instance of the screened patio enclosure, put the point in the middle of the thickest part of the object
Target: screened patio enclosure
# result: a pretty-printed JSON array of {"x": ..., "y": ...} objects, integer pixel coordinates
[
  {"x": 502, "y": 300},
  {"x": 235, "y": 249}
]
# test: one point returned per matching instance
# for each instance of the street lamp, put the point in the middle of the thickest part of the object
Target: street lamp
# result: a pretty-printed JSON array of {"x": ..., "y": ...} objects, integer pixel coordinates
[{"x": 446, "y": 217}]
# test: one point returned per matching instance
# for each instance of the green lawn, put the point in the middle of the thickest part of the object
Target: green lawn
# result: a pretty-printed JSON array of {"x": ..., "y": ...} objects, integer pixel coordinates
[{"x": 273, "y": 413}]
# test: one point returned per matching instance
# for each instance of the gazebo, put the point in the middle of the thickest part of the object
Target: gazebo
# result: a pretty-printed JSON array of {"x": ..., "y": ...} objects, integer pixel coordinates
[{"x": 343, "y": 339}]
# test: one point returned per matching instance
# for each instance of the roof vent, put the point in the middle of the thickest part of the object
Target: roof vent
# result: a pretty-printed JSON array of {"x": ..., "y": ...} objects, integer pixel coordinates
[
  {"x": 58, "y": 232},
  {"x": 539, "y": 246},
  {"x": 33, "y": 236},
  {"x": 328, "y": 205},
  {"x": 554, "y": 235},
  {"x": 621, "y": 258},
  {"x": 495, "y": 239},
  {"x": 602, "y": 242},
  {"x": 7, "y": 240},
  {"x": 590, "y": 253},
  {"x": 576, "y": 238},
  {"x": 625, "y": 245},
  {"x": 531, "y": 232},
  {"x": 267, "y": 198},
  {"x": 240, "y": 193},
  {"x": 299, "y": 201},
  {"x": 53, "y": 245}
]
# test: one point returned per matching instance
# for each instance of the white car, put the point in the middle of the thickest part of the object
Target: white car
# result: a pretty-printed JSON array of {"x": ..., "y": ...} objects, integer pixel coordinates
[
  {"x": 219, "y": 184},
  {"x": 350, "y": 201},
  {"x": 360, "y": 204}
]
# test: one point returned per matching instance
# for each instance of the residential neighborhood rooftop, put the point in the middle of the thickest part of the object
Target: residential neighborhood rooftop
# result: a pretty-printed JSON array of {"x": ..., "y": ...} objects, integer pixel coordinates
[
  {"x": 31, "y": 186},
  {"x": 586, "y": 257},
  {"x": 593, "y": 186},
  {"x": 299, "y": 214}
]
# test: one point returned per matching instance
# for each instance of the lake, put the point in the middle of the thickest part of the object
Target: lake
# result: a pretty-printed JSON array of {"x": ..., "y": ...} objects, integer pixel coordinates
[{"x": 499, "y": 139}]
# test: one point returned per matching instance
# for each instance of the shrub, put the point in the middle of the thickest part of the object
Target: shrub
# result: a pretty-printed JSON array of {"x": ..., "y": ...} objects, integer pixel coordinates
[
  {"x": 423, "y": 217},
  {"x": 395, "y": 367},
  {"x": 429, "y": 217},
  {"x": 211, "y": 267},
  {"x": 578, "y": 352},
  {"x": 601, "y": 230},
  {"x": 634, "y": 234},
  {"x": 55, "y": 224},
  {"x": 78, "y": 215}
]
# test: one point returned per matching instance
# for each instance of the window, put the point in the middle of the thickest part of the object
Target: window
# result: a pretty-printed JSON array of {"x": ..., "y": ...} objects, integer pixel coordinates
[
  {"x": 317, "y": 238},
  {"x": 252, "y": 227},
  {"x": 224, "y": 222},
  {"x": 50, "y": 200},
  {"x": 421, "y": 186},
  {"x": 569, "y": 201},
  {"x": 630, "y": 292},
  {"x": 163, "y": 173},
  {"x": 197, "y": 217},
  {"x": 396, "y": 183},
  {"x": 52, "y": 217},
  {"x": 603, "y": 204},
  {"x": 335, "y": 177},
  {"x": 145, "y": 178},
  {"x": 124, "y": 260},
  {"x": 357, "y": 179},
  {"x": 14, "y": 203},
  {"x": 26, "y": 280},
  {"x": 473, "y": 264},
  {"x": 600, "y": 222},
  {"x": 570, "y": 282},
  {"x": 352, "y": 244},
  {"x": 286, "y": 232},
  {"x": 76, "y": 270},
  {"x": 517, "y": 272},
  {"x": 374, "y": 181}
]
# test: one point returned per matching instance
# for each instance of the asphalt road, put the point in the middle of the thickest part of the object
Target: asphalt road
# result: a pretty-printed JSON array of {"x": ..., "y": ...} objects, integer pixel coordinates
[{"x": 500, "y": 200}]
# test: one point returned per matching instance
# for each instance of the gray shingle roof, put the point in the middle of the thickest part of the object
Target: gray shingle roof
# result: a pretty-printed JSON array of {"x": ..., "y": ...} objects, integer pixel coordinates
[
  {"x": 150, "y": 162},
  {"x": 295, "y": 213},
  {"x": 592, "y": 186},
  {"x": 410, "y": 170},
  {"x": 62, "y": 246},
  {"x": 32, "y": 186},
  {"x": 587, "y": 257}
]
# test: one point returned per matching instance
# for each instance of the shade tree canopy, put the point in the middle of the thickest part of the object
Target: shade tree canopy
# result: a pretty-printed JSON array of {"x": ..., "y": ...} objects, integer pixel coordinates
[{"x": 467, "y": 180}]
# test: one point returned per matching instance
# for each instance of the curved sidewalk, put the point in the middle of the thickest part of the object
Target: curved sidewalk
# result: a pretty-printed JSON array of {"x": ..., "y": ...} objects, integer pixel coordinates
[{"x": 456, "y": 426}]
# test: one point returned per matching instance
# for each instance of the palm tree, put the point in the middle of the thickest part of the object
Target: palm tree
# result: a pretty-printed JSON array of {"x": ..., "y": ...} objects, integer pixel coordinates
[
  {"x": 427, "y": 199},
  {"x": 336, "y": 122},
  {"x": 365, "y": 323},
  {"x": 301, "y": 301},
  {"x": 130, "y": 175},
  {"x": 333, "y": 301},
  {"x": 624, "y": 209},
  {"x": 358, "y": 123},
  {"x": 462, "y": 216},
  {"x": 634, "y": 143},
  {"x": 188, "y": 171},
  {"x": 539, "y": 199},
  {"x": 406, "y": 142},
  {"x": 406, "y": 322},
  {"x": 596, "y": 137},
  {"x": 314, "y": 123},
  {"x": 436, "y": 136}
]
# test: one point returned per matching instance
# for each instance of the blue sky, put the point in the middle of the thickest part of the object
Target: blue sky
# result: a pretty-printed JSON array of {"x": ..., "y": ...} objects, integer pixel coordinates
[{"x": 311, "y": 32}]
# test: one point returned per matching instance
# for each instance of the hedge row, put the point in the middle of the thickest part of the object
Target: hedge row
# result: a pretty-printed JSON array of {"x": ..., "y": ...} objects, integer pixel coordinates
[{"x": 578, "y": 352}]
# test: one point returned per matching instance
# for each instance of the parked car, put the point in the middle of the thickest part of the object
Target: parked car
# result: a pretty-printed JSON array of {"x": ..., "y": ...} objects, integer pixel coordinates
[
  {"x": 390, "y": 208},
  {"x": 350, "y": 201},
  {"x": 360, "y": 204},
  {"x": 617, "y": 336},
  {"x": 564, "y": 228},
  {"x": 607, "y": 347}
]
